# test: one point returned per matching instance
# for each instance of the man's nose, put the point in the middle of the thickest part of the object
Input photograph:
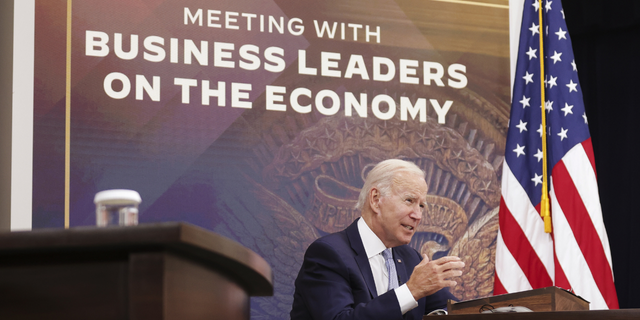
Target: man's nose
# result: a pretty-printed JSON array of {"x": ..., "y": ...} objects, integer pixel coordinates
[{"x": 416, "y": 213}]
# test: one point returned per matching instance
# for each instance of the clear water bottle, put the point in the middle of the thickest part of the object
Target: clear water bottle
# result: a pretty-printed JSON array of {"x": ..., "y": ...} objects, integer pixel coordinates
[{"x": 117, "y": 207}]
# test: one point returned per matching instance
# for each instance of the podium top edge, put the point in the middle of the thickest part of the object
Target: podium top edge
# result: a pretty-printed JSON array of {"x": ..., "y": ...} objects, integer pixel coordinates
[{"x": 178, "y": 237}]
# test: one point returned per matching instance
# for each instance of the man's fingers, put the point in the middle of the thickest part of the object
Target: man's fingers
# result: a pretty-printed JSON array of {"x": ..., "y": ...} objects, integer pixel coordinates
[
  {"x": 453, "y": 265},
  {"x": 452, "y": 273},
  {"x": 450, "y": 283},
  {"x": 447, "y": 259}
]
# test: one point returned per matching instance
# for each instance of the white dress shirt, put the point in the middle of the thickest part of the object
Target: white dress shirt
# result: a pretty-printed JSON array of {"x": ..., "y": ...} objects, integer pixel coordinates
[{"x": 373, "y": 246}]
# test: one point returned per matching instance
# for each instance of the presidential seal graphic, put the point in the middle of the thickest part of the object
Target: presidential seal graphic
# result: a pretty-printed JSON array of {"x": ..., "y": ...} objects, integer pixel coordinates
[{"x": 314, "y": 167}]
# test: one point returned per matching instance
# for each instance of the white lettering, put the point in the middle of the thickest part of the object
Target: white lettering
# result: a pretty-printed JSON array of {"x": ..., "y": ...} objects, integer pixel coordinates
[
  {"x": 240, "y": 91},
  {"x": 190, "y": 49},
  {"x": 186, "y": 84},
  {"x": 375, "y": 107},
  {"x": 295, "y": 26},
  {"x": 329, "y": 60},
  {"x": 157, "y": 50},
  {"x": 356, "y": 66},
  {"x": 441, "y": 111},
  {"x": 335, "y": 102},
  {"x": 275, "y": 56},
  {"x": 95, "y": 39},
  {"x": 273, "y": 95},
  {"x": 377, "y": 69},
  {"x": 295, "y": 103},
  {"x": 437, "y": 76},
  {"x": 188, "y": 16},
  {"x": 212, "y": 17},
  {"x": 230, "y": 19},
  {"x": 133, "y": 47},
  {"x": 221, "y": 51},
  {"x": 219, "y": 93},
  {"x": 249, "y": 53},
  {"x": 350, "y": 102},
  {"x": 355, "y": 28},
  {"x": 457, "y": 72},
  {"x": 369, "y": 33},
  {"x": 108, "y": 85},
  {"x": 325, "y": 28},
  {"x": 419, "y": 108},
  {"x": 302, "y": 64},
  {"x": 142, "y": 86},
  {"x": 407, "y": 71}
]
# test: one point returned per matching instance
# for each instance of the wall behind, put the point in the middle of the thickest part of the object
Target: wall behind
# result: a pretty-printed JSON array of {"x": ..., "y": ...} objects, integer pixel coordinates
[
  {"x": 6, "y": 76},
  {"x": 605, "y": 40}
]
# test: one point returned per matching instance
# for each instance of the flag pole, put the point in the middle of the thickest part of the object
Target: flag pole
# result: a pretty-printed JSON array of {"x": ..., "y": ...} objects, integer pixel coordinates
[{"x": 545, "y": 212}]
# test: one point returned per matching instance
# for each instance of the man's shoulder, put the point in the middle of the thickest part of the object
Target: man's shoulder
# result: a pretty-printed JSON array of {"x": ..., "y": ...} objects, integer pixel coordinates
[
  {"x": 340, "y": 238},
  {"x": 330, "y": 250},
  {"x": 333, "y": 239}
]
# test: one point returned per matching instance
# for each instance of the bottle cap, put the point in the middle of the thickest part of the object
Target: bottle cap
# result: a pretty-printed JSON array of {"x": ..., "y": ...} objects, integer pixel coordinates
[{"x": 117, "y": 197}]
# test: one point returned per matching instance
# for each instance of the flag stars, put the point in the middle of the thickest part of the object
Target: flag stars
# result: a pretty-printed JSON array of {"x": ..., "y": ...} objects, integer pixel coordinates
[
  {"x": 548, "y": 105},
  {"x": 584, "y": 116},
  {"x": 534, "y": 29},
  {"x": 528, "y": 77},
  {"x": 561, "y": 34},
  {"x": 532, "y": 53},
  {"x": 522, "y": 126},
  {"x": 556, "y": 56},
  {"x": 525, "y": 102},
  {"x": 562, "y": 11},
  {"x": 540, "y": 130},
  {"x": 567, "y": 109},
  {"x": 552, "y": 81},
  {"x": 536, "y": 5},
  {"x": 537, "y": 179},
  {"x": 539, "y": 155},
  {"x": 519, "y": 150},
  {"x": 547, "y": 5},
  {"x": 563, "y": 133},
  {"x": 573, "y": 64},
  {"x": 572, "y": 86}
]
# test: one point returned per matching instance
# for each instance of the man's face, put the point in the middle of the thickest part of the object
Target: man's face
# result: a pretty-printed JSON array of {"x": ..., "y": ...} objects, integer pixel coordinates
[{"x": 397, "y": 214}]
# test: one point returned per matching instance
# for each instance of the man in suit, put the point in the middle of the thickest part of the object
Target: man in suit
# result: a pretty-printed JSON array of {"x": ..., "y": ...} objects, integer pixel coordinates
[{"x": 350, "y": 274}]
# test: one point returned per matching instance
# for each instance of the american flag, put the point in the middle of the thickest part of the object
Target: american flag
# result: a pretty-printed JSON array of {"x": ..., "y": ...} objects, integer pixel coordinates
[{"x": 576, "y": 255}]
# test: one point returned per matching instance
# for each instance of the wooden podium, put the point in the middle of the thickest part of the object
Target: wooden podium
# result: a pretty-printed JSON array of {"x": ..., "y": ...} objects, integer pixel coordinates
[
  {"x": 155, "y": 271},
  {"x": 549, "y": 303},
  {"x": 544, "y": 299},
  {"x": 622, "y": 314}
]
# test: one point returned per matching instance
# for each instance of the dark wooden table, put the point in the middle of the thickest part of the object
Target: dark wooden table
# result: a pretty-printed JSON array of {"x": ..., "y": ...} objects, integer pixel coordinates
[{"x": 623, "y": 314}]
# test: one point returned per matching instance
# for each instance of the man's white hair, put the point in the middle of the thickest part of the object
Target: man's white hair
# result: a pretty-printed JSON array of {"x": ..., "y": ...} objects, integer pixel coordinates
[{"x": 381, "y": 177}]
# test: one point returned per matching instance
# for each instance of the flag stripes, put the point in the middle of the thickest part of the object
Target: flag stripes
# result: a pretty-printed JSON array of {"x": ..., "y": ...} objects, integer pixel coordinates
[{"x": 576, "y": 255}]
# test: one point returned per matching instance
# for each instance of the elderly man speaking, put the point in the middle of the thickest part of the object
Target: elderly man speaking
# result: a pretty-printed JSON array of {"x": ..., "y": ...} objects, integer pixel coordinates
[{"x": 368, "y": 271}]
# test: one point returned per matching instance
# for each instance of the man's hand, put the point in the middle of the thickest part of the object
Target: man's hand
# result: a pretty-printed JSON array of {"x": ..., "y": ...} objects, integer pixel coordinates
[{"x": 430, "y": 276}]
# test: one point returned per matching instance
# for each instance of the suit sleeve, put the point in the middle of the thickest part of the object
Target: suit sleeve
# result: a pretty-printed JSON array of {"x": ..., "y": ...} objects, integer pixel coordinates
[{"x": 330, "y": 286}]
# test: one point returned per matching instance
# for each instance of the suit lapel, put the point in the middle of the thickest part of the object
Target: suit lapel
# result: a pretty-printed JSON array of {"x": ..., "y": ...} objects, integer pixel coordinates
[
  {"x": 361, "y": 257},
  {"x": 401, "y": 266}
]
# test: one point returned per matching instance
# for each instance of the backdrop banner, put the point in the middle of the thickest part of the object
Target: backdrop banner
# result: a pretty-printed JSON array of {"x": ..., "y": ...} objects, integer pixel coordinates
[{"x": 259, "y": 120}]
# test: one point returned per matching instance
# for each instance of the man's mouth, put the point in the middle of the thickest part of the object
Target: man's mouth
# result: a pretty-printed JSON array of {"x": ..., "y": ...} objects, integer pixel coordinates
[{"x": 410, "y": 228}]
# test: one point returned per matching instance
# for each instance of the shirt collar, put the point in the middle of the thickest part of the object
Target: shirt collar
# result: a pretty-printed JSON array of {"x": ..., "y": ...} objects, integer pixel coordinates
[{"x": 372, "y": 244}]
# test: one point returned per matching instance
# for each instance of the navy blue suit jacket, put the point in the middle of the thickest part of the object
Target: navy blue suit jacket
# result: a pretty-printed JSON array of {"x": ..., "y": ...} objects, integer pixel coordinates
[{"x": 335, "y": 282}]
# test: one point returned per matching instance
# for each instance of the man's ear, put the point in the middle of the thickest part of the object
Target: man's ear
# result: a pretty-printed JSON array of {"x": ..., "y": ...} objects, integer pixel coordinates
[{"x": 374, "y": 199}]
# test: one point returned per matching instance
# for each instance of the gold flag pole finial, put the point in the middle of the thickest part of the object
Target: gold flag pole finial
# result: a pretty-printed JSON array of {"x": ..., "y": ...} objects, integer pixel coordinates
[{"x": 545, "y": 211}]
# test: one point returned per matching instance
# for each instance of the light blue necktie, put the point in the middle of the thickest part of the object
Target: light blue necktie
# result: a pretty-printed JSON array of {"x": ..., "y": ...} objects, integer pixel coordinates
[{"x": 391, "y": 268}]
